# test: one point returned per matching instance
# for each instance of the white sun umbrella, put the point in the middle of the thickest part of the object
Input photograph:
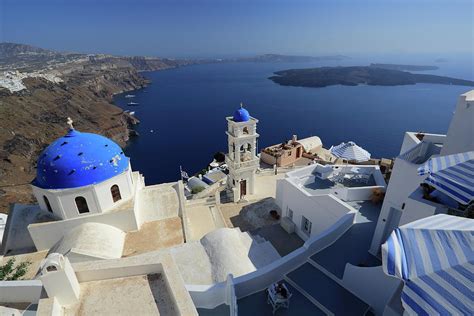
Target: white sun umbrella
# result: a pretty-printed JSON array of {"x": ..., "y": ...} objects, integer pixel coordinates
[{"x": 350, "y": 151}]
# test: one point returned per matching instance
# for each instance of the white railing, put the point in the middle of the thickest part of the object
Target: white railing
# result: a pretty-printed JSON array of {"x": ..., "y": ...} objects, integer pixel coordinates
[
  {"x": 20, "y": 291},
  {"x": 211, "y": 296}
]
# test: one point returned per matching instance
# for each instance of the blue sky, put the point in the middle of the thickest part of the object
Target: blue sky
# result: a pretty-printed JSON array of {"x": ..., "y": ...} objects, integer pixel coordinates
[{"x": 228, "y": 27}]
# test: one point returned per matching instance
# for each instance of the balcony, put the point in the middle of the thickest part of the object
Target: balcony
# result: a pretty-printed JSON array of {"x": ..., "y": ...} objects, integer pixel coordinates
[
  {"x": 421, "y": 152},
  {"x": 252, "y": 163}
]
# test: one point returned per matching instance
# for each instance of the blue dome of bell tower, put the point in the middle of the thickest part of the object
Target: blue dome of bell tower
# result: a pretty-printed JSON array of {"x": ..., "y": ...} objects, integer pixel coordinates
[
  {"x": 241, "y": 114},
  {"x": 79, "y": 159}
]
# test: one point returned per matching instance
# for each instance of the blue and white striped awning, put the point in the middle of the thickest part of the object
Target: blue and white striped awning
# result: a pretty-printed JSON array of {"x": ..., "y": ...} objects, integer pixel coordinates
[
  {"x": 434, "y": 256},
  {"x": 452, "y": 175},
  {"x": 350, "y": 151}
]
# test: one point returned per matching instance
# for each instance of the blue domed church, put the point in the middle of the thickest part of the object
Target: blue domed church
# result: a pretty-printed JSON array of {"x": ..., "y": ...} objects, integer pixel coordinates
[
  {"x": 89, "y": 200},
  {"x": 82, "y": 173}
]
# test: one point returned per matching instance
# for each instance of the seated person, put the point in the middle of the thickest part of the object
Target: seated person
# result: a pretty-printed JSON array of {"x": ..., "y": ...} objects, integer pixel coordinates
[{"x": 281, "y": 290}]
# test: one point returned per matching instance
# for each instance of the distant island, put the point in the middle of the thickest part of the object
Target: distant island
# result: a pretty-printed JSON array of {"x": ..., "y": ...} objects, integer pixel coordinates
[
  {"x": 404, "y": 67},
  {"x": 277, "y": 58},
  {"x": 352, "y": 76}
]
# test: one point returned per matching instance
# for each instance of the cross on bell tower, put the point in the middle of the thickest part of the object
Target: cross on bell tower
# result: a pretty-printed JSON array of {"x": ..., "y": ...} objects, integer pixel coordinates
[{"x": 242, "y": 159}]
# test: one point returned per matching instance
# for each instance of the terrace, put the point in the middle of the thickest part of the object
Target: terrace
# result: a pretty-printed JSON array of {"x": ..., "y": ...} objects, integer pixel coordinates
[
  {"x": 347, "y": 182},
  {"x": 317, "y": 285}
]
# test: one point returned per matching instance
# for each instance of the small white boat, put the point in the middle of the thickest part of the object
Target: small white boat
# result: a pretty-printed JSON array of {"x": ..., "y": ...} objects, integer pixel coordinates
[
  {"x": 132, "y": 113},
  {"x": 132, "y": 103},
  {"x": 130, "y": 96}
]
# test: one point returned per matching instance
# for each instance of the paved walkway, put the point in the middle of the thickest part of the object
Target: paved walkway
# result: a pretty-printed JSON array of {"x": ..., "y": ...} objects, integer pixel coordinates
[
  {"x": 316, "y": 283},
  {"x": 256, "y": 304},
  {"x": 199, "y": 221},
  {"x": 283, "y": 242},
  {"x": 335, "y": 298},
  {"x": 353, "y": 246}
]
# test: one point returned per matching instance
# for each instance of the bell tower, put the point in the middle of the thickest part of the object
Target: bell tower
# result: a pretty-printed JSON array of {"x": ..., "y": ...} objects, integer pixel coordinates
[{"x": 241, "y": 158}]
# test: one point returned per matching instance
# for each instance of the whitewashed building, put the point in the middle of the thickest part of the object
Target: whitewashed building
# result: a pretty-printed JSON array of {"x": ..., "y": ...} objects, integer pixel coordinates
[
  {"x": 88, "y": 200},
  {"x": 404, "y": 202},
  {"x": 315, "y": 197}
]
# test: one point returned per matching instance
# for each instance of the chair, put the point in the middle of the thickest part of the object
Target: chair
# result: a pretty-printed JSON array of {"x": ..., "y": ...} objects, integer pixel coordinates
[{"x": 276, "y": 300}]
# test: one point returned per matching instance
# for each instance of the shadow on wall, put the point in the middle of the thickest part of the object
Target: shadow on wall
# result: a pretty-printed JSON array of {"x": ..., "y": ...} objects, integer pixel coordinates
[
  {"x": 17, "y": 239},
  {"x": 161, "y": 294},
  {"x": 256, "y": 215}
]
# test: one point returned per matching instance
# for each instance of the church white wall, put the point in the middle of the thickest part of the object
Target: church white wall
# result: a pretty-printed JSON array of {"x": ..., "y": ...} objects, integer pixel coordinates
[
  {"x": 46, "y": 235},
  {"x": 68, "y": 204},
  {"x": 53, "y": 199},
  {"x": 157, "y": 202},
  {"x": 99, "y": 197},
  {"x": 104, "y": 195}
]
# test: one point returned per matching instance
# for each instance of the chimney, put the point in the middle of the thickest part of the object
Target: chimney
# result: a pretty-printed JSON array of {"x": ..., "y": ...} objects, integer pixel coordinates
[
  {"x": 294, "y": 139},
  {"x": 59, "y": 279}
]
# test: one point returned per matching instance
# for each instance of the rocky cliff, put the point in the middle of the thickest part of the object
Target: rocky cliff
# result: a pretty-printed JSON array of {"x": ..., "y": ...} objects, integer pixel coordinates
[{"x": 33, "y": 117}]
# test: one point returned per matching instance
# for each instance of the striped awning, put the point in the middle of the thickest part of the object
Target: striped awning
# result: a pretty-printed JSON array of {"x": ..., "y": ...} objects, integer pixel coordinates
[
  {"x": 434, "y": 256},
  {"x": 452, "y": 175},
  {"x": 350, "y": 151}
]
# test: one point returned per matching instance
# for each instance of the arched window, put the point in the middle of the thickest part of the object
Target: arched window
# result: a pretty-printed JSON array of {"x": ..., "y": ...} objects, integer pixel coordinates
[
  {"x": 115, "y": 193},
  {"x": 245, "y": 130},
  {"x": 46, "y": 201},
  {"x": 81, "y": 204}
]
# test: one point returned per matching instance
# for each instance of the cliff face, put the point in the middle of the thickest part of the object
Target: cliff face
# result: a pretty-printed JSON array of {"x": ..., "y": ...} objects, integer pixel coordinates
[{"x": 32, "y": 118}]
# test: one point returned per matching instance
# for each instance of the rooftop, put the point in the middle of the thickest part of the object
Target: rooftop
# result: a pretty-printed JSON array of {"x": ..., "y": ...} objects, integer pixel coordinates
[
  {"x": 336, "y": 179},
  {"x": 149, "y": 285},
  {"x": 153, "y": 236},
  {"x": 134, "y": 295}
]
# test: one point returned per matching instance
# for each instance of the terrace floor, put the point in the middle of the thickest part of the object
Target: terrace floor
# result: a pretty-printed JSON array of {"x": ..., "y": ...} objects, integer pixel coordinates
[
  {"x": 136, "y": 295},
  {"x": 283, "y": 242},
  {"x": 316, "y": 285},
  {"x": 153, "y": 236},
  {"x": 353, "y": 246},
  {"x": 256, "y": 304}
]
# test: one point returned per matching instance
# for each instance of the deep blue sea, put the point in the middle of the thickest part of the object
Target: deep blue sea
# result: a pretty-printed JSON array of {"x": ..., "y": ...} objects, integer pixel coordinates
[{"x": 183, "y": 112}]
